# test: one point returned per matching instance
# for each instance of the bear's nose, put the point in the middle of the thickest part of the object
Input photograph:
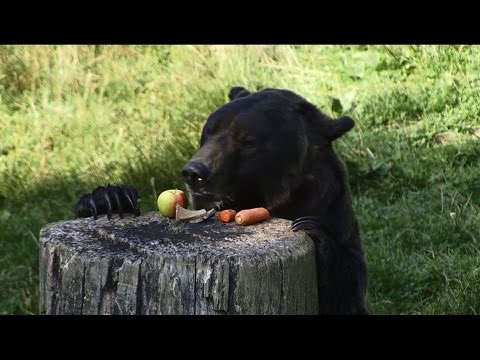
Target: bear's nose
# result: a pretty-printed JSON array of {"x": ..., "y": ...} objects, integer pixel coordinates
[{"x": 195, "y": 174}]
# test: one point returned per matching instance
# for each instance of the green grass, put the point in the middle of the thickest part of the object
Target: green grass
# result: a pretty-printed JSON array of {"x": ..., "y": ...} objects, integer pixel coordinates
[{"x": 74, "y": 117}]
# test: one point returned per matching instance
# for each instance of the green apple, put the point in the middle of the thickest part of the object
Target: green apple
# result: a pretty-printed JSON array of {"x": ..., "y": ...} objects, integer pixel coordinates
[{"x": 168, "y": 199}]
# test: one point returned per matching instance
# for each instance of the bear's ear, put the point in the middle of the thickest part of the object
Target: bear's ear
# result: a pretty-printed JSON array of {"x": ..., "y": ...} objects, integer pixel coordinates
[
  {"x": 237, "y": 92},
  {"x": 340, "y": 127}
]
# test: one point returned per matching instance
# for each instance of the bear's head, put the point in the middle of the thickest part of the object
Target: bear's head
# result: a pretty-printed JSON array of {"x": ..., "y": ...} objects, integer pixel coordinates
[{"x": 257, "y": 150}]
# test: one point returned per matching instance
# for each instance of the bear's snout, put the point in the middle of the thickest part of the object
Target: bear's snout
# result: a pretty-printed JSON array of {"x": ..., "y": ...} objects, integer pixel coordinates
[{"x": 196, "y": 174}]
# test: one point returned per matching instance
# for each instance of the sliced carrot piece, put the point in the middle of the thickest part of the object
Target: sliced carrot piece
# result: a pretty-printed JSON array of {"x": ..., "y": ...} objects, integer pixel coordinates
[
  {"x": 251, "y": 216},
  {"x": 227, "y": 215}
]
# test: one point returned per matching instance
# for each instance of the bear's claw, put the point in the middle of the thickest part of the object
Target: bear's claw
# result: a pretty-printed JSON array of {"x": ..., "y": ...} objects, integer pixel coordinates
[
  {"x": 108, "y": 200},
  {"x": 307, "y": 223}
]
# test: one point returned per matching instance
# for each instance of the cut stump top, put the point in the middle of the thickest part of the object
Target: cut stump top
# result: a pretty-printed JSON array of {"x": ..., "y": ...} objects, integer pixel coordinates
[{"x": 152, "y": 233}]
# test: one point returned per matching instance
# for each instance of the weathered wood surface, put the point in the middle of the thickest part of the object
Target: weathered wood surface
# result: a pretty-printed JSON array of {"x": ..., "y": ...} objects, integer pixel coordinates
[{"x": 153, "y": 265}]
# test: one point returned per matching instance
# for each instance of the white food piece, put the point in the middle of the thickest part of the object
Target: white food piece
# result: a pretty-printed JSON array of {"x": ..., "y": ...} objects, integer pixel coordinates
[{"x": 194, "y": 216}]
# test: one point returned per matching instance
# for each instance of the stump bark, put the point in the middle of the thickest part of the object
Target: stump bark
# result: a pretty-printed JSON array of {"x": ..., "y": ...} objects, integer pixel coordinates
[{"x": 154, "y": 265}]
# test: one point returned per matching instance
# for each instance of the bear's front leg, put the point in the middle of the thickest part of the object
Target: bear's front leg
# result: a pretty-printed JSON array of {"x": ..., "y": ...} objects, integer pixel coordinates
[{"x": 341, "y": 271}]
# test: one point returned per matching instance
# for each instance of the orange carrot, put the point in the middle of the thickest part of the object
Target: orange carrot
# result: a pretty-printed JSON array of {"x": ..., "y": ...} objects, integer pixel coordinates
[
  {"x": 227, "y": 215},
  {"x": 251, "y": 216}
]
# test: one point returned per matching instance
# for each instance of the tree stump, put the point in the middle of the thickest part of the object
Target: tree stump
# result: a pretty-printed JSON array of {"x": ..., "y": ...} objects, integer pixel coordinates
[{"x": 154, "y": 265}]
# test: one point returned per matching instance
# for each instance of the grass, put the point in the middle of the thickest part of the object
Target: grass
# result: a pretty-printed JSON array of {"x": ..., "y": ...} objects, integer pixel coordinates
[{"x": 75, "y": 117}]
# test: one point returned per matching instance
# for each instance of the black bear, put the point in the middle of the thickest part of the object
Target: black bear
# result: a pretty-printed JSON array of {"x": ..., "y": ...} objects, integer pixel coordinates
[{"x": 273, "y": 149}]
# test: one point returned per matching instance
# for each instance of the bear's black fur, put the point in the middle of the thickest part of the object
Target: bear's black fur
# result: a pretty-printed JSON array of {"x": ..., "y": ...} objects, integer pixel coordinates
[{"x": 273, "y": 148}]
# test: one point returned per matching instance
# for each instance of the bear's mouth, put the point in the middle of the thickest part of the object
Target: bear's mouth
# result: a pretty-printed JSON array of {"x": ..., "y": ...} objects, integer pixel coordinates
[{"x": 208, "y": 200}]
